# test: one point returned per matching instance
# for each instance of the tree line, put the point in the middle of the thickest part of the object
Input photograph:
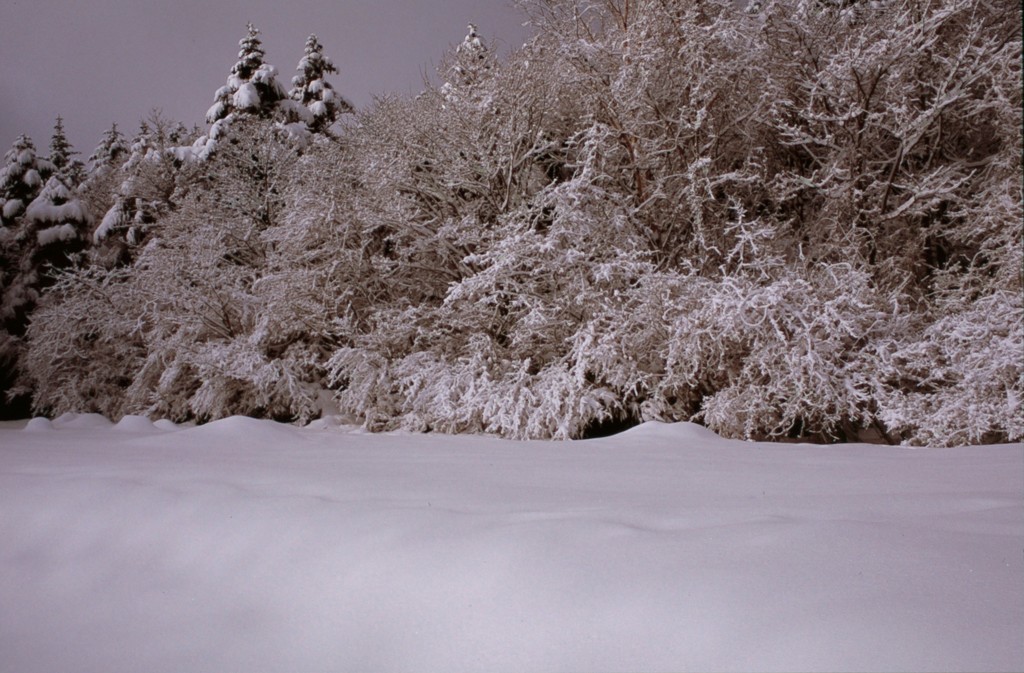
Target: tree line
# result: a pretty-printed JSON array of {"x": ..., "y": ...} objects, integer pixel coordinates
[{"x": 798, "y": 220}]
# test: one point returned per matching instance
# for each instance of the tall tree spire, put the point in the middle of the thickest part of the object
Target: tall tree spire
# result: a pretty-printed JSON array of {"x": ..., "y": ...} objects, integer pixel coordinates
[
  {"x": 468, "y": 63},
  {"x": 112, "y": 148},
  {"x": 21, "y": 178},
  {"x": 311, "y": 89},
  {"x": 252, "y": 87},
  {"x": 62, "y": 155}
]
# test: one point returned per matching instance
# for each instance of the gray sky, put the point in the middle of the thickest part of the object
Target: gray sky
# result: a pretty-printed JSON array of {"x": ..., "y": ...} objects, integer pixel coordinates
[{"x": 100, "y": 61}]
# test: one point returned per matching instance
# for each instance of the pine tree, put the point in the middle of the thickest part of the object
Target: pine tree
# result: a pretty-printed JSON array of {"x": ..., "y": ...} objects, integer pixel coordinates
[
  {"x": 471, "y": 58},
  {"x": 111, "y": 150},
  {"x": 21, "y": 178},
  {"x": 155, "y": 174},
  {"x": 62, "y": 155},
  {"x": 311, "y": 89},
  {"x": 252, "y": 87},
  {"x": 57, "y": 216},
  {"x": 45, "y": 238},
  {"x": 102, "y": 186},
  {"x": 472, "y": 46}
]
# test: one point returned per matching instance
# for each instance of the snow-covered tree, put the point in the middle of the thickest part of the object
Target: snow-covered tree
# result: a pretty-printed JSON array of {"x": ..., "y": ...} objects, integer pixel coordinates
[
  {"x": 38, "y": 236},
  {"x": 103, "y": 175},
  {"x": 85, "y": 344},
  {"x": 62, "y": 155},
  {"x": 52, "y": 230},
  {"x": 211, "y": 352},
  {"x": 21, "y": 178},
  {"x": 471, "y": 59},
  {"x": 193, "y": 317},
  {"x": 45, "y": 239},
  {"x": 252, "y": 87},
  {"x": 110, "y": 152},
  {"x": 464, "y": 67},
  {"x": 57, "y": 214},
  {"x": 320, "y": 103},
  {"x": 158, "y": 171},
  {"x": 887, "y": 136}
]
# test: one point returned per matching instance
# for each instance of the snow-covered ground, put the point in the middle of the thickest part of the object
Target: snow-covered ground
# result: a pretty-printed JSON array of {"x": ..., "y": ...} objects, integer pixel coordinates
[{"x": 245, "y": 545}]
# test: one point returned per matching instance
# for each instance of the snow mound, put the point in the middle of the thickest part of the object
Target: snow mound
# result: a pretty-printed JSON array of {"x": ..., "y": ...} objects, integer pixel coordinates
[
  {"x": 244, "y": 431},
  {"x": 681, "y": 434},
  {"x": 133, "y": 423},
  {"x": 39, "y": 424},
  {"x": 165, "y": 424},
  {"x": 81, "y": 422}
]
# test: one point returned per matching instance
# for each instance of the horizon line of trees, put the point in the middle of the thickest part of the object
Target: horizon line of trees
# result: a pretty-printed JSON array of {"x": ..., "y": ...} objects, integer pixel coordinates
[{"x": 798, "y": 220}]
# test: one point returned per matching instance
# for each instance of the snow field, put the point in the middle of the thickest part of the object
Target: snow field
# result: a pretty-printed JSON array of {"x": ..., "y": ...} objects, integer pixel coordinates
[{"x": 248, "y": 545}]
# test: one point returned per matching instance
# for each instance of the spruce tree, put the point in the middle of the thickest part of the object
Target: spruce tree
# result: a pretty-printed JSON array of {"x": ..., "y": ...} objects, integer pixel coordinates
[
  {"x": 471, "y": 58},
  {"x": 111, "y": 150},
  {"x": 152, "y": 172},
  {"x": 42, "y": 239},
  {"x": 56, "y": 216},
  {"x": 311, "y": 89},
  {"x": 62, "y": 155},
  {"x": 252, "y": 87},
  {"x": 21, "y": 178},
  {"x": 102, "y": 187}
]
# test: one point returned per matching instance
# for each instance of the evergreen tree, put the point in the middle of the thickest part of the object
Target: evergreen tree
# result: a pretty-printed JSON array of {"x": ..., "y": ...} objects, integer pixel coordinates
[
  {"x": 102, "y": 186},
  {"x": 21, "y": 178},
  {"x": 252, "y": 87},
  {"x": 155, "y": 175},
  {"x": 311, "y": 89},
  {"x": 471, "y": 59},
  {"x": 62, "y": 155},
  {"x": 55, "y": 224},
  {"x": 110, "y": 152},
  {"x": 45, "y": 239},
  {"x": 472, "y": 48}
]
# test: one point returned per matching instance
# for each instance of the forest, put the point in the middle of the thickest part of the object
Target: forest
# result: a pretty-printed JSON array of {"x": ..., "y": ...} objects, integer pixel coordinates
[{"x": 801, "y": 220}]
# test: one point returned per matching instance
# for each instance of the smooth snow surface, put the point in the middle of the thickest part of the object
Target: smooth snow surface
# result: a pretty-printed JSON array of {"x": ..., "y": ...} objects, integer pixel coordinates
[{"x": 244, "y": 545}]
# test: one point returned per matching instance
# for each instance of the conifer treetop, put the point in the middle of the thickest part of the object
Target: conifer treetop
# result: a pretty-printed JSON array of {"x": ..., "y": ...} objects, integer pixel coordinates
[
  {"x": 472, "y": 43},
  {"x": 62, "y": 155},
  {"x": 320, "y": 103},
  {"x": 252, "y": 86},
  {"x": 60, "y": 149},
  {"x": 250, "y": 54},
  {"x": 110, "y": 148},
  {"x": 470, "y": 59},
  {"x": 22, "y": 176}
]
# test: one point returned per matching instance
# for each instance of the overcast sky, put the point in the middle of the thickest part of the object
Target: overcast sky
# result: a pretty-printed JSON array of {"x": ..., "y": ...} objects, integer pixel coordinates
[{"x": 100, "y": 61}]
